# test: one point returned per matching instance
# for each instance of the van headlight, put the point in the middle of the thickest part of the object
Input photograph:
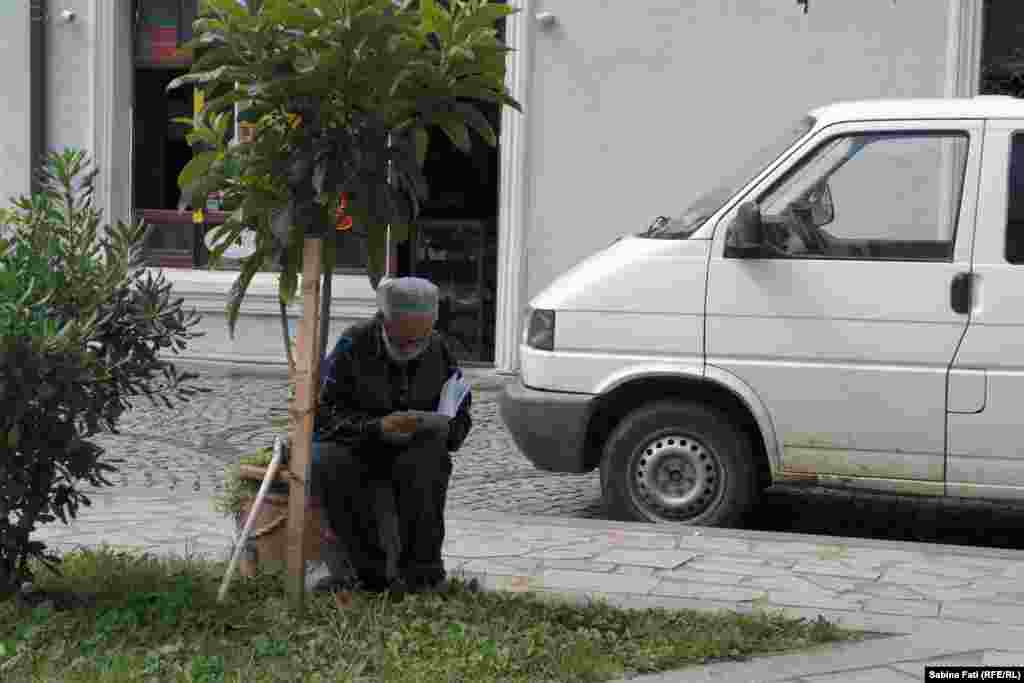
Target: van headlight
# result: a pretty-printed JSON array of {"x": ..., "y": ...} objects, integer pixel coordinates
[{"x": 540, "y": 330}]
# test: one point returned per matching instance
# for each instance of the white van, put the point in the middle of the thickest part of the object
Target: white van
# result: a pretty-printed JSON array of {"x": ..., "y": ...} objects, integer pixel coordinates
[{"x": 849, "y": 312}]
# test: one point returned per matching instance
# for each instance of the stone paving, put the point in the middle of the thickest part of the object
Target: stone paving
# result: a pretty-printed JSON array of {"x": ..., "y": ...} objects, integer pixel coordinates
[
  {"x": 943, "y": 602},
  {"x": 188, "y": 447}
]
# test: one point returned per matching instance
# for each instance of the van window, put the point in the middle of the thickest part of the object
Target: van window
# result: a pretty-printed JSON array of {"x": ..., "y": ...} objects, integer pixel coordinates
[
  {"x": 871, "y": 196},
  {"x": 1015, "y": 202}
]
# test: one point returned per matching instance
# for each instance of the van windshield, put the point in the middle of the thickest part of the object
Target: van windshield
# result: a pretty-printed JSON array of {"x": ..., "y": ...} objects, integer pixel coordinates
[{"x": 709, "y": 203}]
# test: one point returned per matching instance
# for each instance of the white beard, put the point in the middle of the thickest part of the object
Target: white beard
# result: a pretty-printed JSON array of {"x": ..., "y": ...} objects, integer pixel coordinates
[{"x": 396, "y": 355}]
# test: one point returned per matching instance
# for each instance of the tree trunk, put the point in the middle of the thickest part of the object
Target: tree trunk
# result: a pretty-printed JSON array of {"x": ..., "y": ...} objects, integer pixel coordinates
[{"x": 303, "y": 412}]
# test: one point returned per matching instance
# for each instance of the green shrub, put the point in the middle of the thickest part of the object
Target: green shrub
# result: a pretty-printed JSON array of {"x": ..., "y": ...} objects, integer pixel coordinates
[{"x": 83, "y": 328}]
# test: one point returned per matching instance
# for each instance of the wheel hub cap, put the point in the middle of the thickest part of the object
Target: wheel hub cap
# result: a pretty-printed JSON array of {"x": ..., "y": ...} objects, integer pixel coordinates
[{"x": 675, "y": 477}]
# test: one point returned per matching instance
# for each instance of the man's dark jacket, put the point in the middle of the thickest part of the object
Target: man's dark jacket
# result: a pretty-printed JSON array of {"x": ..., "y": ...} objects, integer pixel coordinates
[{"x": 360, "y": 384}]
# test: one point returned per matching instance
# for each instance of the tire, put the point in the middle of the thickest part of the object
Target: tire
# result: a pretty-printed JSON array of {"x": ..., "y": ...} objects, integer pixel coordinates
[{"x": 679, "y": 462}]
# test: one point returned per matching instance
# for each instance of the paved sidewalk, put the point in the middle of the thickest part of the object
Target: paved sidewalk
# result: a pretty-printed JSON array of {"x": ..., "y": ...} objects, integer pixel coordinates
[{"x": 947, "y": 603}]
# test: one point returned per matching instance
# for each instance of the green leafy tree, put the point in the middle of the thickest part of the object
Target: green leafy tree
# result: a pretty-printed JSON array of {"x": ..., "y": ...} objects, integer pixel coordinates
[
  {"x": 342, "y": 94},
  {"x": 83, "y": 328}
]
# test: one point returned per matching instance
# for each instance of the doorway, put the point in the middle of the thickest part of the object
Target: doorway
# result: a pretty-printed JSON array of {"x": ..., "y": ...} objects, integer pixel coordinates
[
  {"x": 159, "y": 147},
  {"x": 455, "y": 243},
  {"x": 160, "y": 151},
  {"x": 1002, "y": 57}
]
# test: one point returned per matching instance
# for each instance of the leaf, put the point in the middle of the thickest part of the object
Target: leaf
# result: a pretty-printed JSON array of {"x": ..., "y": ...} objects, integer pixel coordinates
[
  {"x": 226, "y": 74},
  {"x": 375, "y": 251},
  {"x": 319, "y": 176},
  {"x": 422, "y": 141},
  {"x": 432, "y": 17},
  {"x": 402, "y": 76},
  {"x": 399, "y": 233},
  {"x": 250, "y": 267},
  {"x": 224, "y": 103},
  {"x": 463, "y": 52},
  {"x": 230, "y": 7},
  {"x": 457, "y": 133},
  {"x": 376, "y": 247},
  {"x": 198, "y": 166},
  {"x": 256, "y": 205},
  {"x": 223, "y": 236},
  {"x": 281, "y": 223},
  {"x": 477, "y": 121},
  {"x": 288, "y": 283}
]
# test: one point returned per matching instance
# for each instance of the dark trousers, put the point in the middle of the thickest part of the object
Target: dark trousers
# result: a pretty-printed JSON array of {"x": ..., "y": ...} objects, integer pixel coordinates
[{"x": 348, "y": 485}]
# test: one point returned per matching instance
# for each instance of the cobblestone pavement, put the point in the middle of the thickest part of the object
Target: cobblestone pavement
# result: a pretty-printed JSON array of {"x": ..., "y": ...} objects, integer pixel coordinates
[{"x": 186, "y": 449}]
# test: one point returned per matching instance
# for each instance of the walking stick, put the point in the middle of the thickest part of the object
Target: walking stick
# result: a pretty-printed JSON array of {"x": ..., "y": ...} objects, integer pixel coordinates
[{"x": 275, "y": 463}]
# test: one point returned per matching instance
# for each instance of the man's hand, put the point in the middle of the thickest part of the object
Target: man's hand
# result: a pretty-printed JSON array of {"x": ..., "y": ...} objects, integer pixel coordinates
[
  {"x": 429, "y": 422},
  {"x": 399, "y": 424}
]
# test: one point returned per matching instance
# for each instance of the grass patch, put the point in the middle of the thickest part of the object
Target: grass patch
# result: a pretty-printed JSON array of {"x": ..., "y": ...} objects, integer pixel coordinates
[{"x": 158, "y": 620}]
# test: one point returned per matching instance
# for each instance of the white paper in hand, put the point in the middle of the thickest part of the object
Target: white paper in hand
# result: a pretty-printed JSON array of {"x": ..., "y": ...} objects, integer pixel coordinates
[{"x": 453, "y": 394}]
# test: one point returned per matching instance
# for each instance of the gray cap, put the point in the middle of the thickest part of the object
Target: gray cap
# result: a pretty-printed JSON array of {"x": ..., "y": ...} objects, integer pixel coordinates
[{"x": 407, "y": 295}]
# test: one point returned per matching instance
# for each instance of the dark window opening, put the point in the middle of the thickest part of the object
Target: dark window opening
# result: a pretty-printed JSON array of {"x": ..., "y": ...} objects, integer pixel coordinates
[
  {"x": 160, "y": 153},
  {"x": 1002, "y": 63},
  {"x": 455, "y": 243},
  {"x": 1015, "y": 202}
]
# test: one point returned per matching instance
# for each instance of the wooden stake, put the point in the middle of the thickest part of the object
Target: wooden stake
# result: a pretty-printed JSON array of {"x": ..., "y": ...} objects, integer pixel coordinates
[{"x": 306, "y": 387}]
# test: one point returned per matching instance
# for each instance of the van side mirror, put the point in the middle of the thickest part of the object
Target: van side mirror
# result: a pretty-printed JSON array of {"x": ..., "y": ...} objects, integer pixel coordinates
[
  {"x": 745, "y": 238},
  {"x": 820, "y": 206}
]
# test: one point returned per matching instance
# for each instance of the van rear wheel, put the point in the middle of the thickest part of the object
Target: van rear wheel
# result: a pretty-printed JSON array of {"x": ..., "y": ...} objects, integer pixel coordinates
[{"x": 682, "y": 462}]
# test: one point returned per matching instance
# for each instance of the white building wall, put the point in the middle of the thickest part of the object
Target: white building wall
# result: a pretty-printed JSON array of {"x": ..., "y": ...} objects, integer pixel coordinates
[
  {"x": 636, "y": 108},
  {"x": 258, "y": 337},
  {"x": 15, "y": 100},
  {"x": 69, "y": 79},
  {"x": 87, "y": 92}
]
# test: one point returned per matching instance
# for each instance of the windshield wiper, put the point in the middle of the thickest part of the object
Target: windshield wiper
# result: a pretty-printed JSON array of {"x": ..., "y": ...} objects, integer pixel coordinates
[{"x": 663, "y": 226}]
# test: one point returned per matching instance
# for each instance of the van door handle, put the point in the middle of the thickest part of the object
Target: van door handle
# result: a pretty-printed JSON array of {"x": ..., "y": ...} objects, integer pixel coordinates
[{"x": 960, "y": 293}]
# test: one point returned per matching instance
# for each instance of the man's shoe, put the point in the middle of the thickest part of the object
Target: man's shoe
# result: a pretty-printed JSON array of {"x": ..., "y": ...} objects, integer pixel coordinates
[
  {"x": 394, "y": 590},
  {"x": 397, "y": 590},
  {"x": 336, "y": 558},
  {"x": 428, "y": 584},
  {"x": 336, "y": 584}
]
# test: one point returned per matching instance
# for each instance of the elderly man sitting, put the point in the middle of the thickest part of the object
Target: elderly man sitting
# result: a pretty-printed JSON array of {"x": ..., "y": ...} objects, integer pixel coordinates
[{"x": 377, "y": 422}]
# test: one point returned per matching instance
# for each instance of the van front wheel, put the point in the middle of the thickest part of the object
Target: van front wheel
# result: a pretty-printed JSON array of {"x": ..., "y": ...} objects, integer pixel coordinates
[{"x": 678, "y": 462}]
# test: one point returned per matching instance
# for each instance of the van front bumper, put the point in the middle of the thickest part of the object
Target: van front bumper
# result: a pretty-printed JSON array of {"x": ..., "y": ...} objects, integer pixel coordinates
[{"x": 549, "y": 427}]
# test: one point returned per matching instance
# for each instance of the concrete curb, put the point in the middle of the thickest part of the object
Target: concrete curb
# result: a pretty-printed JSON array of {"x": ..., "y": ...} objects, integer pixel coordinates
[
  {"x": 484, "y": 379},
  {"x": 873, "y": 659},
  {"x": 743, "y": 534}
]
